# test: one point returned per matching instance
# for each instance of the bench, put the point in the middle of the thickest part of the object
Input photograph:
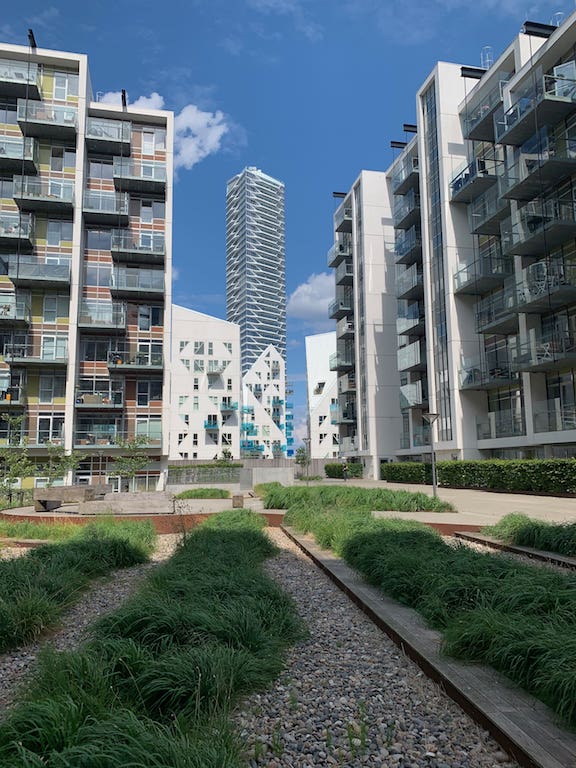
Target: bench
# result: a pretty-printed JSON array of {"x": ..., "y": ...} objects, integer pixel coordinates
[{"x": 47, "y": 499}]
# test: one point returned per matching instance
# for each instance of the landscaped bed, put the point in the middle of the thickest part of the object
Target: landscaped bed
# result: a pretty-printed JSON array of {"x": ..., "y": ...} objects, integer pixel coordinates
[
  {"x": 522, "y": 530},
  {"x": 204, "y": 493},
  {"x": 516, "y": 618},
  {"x": 37, "y": 587},
  {"x": 156, "y": 682}
]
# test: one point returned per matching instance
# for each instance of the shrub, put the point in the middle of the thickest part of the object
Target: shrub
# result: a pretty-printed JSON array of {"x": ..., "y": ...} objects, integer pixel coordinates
[
  {"x": 204, "y": 493},
  {"x": 522, "y": 530},
  {"x": 355, "y": 469},
  {"x": 406, "y": 472}
]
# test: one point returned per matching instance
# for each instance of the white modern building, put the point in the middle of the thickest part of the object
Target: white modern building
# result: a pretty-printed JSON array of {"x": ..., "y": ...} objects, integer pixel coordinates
[
  {"x": 264, "y": 408},
  {"x": 323, "y": 408},
  {"x": 362, "y": 257},
  {"x": 205, "y": 402},
  {"x": 255, "y": 263},
  {"x": 85, "y": 266}
]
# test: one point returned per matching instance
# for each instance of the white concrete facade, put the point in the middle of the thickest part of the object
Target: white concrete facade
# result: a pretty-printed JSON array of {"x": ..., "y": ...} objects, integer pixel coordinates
[
  {"x": 264, "y": 411},
  {"x": 365, "y": 311},
  {"x": 322, "y": 390},
  {"x": 205, "y": 402}
]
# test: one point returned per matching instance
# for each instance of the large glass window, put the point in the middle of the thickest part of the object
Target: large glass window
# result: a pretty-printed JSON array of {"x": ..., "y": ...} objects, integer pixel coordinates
[
  {"x": 6, "y": 188},
  {"x": 51, "y": 387},
  {"x": 55, "y": 307},
  {"x": 100, "y": 169},
  {"x": 58, "y": 232},
  {"x": 98, "y": 239},
  {"x": 8, "y": 113},
  {"x": 147, "y": 391}
]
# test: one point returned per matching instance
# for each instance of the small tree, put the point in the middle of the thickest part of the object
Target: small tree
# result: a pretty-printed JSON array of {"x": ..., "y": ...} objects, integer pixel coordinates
[
  {"x": 15, "y": 464},
  {"x": 133, "y": 459},
  {"x": 226, "y": 455},
  {"x": 302, "y": 458},
  {"x": 59, "y": 463}
]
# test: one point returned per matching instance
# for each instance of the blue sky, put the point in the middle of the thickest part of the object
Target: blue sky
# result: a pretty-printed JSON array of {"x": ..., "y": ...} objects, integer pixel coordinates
[{"x": 310, "y": 91}]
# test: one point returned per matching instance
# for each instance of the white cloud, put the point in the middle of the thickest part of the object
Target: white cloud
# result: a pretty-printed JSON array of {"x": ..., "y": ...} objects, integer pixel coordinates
[
  {"x": 309, "y": 302},
  {"x": 292, "y": 9},
  {"x": 197, "y": 133}
]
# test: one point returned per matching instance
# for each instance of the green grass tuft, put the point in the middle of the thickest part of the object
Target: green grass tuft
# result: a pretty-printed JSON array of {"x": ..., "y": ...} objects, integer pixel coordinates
[
  {"x": 522, "y": 530},
  {"x": 204, "y": 493}
]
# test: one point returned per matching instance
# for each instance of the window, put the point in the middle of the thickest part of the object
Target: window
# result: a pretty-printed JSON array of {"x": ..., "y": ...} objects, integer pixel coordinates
[
  {"x": 94, "y": 350},
  {"x": 147, "y": 391},
  {"x": 59, "y": 231},
  {"x": 6, "y": 188},
  {"x": 181, "y": 437},
  {"x": 183, "y": 454},
  {"x": 8, "y": 113},
  {"x": 182, "y": 400},
  {"x": 98, "y": 275},
  {"x": 150, "y": 210},
  {"x": 149, "y": 316},
  {"x": 55, "y": 307},
  {"x": 60, "y": 86},
  {"x": 147, "y": 142},
  {"x": 227, "y": 438},
  {"x": 51, "y": 429},
  {"x": 210, "y": 348},
  {"x": 195, "y": 438},
  {"x": 54, "y": 347},
  {"x": 62, "y": 157},
  {"x": 51, "y": 387},
  {"x": 183, "y": 345},
  {"x": 195, "y": 404},
  {"x": 228, "y": 345},
  {"x": 98, "y": 239},
  {"x": 150, "y": 427},
  {"x": 322, "y": 436},
  {"x": 198, "y": 347},
  {"x": 100, "y": 169},
  {"x": 229, "y": 385},
  {"x": 198, "y": 366},
  {"x": 196, "y": 385}
]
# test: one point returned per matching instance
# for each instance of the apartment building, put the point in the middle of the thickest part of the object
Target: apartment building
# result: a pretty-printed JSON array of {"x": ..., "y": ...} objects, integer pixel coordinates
[
  {"x": 85, "y": 255},
  {"x": 205, "y": 401},
  {"x": 256, "y": 263},
  {"x": 362, "y": 257},
  {"x": 265, "y": 413},
  {"x": 322, "y": 388},
  {"x": 485, "y": 242}
]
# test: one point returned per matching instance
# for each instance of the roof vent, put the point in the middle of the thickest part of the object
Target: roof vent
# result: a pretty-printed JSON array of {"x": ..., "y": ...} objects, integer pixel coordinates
[
  {"x": 557, "y": 19},
  {"x": 486, "y": 57}
]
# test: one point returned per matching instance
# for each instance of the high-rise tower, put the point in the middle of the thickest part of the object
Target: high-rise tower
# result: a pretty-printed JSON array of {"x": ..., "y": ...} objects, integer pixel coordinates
[{"x": 255, "y": 263}]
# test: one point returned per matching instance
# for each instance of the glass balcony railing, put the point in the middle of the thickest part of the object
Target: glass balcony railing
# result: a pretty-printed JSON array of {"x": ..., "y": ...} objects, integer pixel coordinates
[
  {"x": 26, "y": 269},
  {"x": 100, "y": 394},
  {"x": 483, "y": 274},
  {"x": 47, "y": 192},
  {"x": 112, "y": 434},
  {"x": 138, "y": 280},
  {"x": 16, "y": 226},
  {"x": 407, "y": 210},
  {"x": 474, "y": 179},
  {"x": 108, "y": 130},
  {"x": 339, "y": 251},
  {"x": 409, "y": 317},
  {"x": 15, "y": 151},
  {"x": 409, "y": 283},
  {"x": 487, "y": 373},
  {"x": 248, "y": 428},
  {"x": 228, "y": 405},
  {"x": 412, "y": 357},
  {"x": 554, "y": 416},
  {"x": 539, "y": 226},
  {"x": 486, "y": 212},
  {"x": 546, "y": 351},
  {"x": 546, "y": 285},
  {"x": 211, "y": 424},
  {"x": 413, "y": 395},
  {"x": 54, "y": 118},
  {"x": 344, "y": 329},
  {"x": 341, "y": 361},
  {"x": 405, "y": 176},
  {"x": 545, "y": 161},
  {"x": 348, "y": 445},
  {"x": 139, "y": 170},
  {"x": 421, "y": 436},
  {"x": 344, "y": 274},
  {"x": 20, "y": 73},
  {"x": 408, "y": 245},
  {"x": 343, "y": 218},
  {"x": 145, "y": 245},
  {"x": 340, "y": 307},
  {"x": 496, "y": 313},
  {"x": 507, "y": 423},
  {"x": 124, "y": 357},
  {"x": 44, "y": 351},
  {"x": 11, "y": 395},
  {"x": 102, "y": 314},
  {"x": 14, "y": 308},
  {"x": 547, "y": 101},
  {"x": 478, "y": 120},
  {"x": 113, "y": 203}
]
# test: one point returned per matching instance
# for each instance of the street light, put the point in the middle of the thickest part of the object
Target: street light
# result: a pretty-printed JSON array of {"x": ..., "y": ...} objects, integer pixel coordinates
[{"x": 430, "y": 418}]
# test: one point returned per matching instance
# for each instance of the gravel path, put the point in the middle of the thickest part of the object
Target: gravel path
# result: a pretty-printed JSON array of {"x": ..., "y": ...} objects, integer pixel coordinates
[
  {"x": 348, "y": 696},
  {"x": 103, "y": 596}
]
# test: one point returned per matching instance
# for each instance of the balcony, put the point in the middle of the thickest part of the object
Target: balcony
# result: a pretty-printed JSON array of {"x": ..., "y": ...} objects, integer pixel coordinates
[
  {"x": 16, "y": 227},
  {"x": 486, "y": 212},
  {"x": 228, "y": 407},
  {"x": 14, "y": 310},
  {"x": 106, "y": 207},
  {"x": 102, "y": 316},
  {"x": 407, "y": 210},
  {"x": 553, "y": 416},
  {"x": 340, "y": 251},
  {"x": 479, "y": 120},
  {"x": 19, "y": 79},
  {"x": 498, "y": 424},
  {"x": 46, "y": 195},
  {"x": 144, "y": 247},
  {"x": 408, "y": 245},
  {"x": 545, "y": 351},
  {"x": 421, "y": 436},
  {"x": 343, "y": 218},
  {"x": 216, "y": 368},
  {"x": 348, "y": 445},
  {"x": 341, "y": 361},
  {"x": 346, "y": 384},
  {"x": 110, "y": 137},
  {"x": 484, "y": 274},
  {"x": 535, "y": 171},
  {"x": 340, "y": 308},
  {"x": 132, "y": 282},
  {"x": 546, "y": 286},
  {"x": 17, "y": 154},
  {"x": 47, "y": 120},
  {"x": 548, "y": 102},
  {"x": 473, "y": 180},
  {"x": 344, "y": 329},
  {"x": 539, "y": 226},
  {"x": 148, "y": 176},
  {"x": 133, "y": 358},
  {"x": 98, "y": 394},
  {"x": 344, "y": 274},
  {"x": 250, "y": 429},
  {"x": 406, "y": 176},
  {"x": 37, "y": 354},
  {"x": 410, "y": 319},
  {"x": 12, "y": 396},
  {"x": 413, "y": 395},
  {"x": 409, "y": 283},
  {"x": 482, "y": 374},
  {"x": 277, "y": 401},
  {"x": 412, "y": 357},
  {"x": 495, "y": 313},
  {"x": 211, "y": 424},
  {"x": 98, "y": 434},
  {"x": 37, "y": 271},
  {"x": 345, "y": 416}
]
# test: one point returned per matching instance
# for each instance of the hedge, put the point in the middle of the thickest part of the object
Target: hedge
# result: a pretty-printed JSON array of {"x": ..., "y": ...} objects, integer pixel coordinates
[
  {"x": 536, "y": 475},
  {"x": 335, "y": 470}
]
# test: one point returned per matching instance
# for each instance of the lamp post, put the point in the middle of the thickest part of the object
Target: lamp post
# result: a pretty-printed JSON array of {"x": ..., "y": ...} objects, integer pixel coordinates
[
  {"x": 431, "y": 418},
  {"x": 306, "y": 441}
]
